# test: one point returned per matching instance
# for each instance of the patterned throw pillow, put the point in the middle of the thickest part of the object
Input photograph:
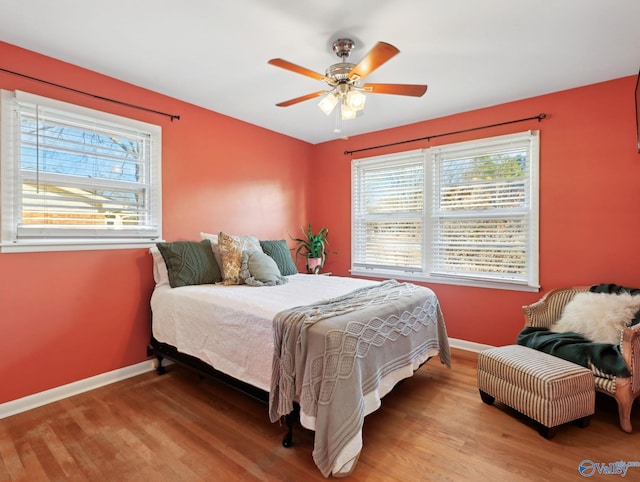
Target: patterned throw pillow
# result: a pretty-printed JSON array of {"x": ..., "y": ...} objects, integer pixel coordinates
[
  {"x": 231, "y": 256},
  {"x": 247, "y": 243},
  {"x": 189, "y": 263}
]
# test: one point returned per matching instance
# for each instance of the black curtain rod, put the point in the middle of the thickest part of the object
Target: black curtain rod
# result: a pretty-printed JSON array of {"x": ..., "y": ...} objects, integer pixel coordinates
[
  {"x": 170, "y": 116},
  {"x": 539, "y": 117}
]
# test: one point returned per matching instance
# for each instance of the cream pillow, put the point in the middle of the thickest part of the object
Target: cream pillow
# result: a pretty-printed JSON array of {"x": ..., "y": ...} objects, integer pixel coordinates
[
  {"x": 160, "y": 273},
  {"x": 600, "y": 317}
]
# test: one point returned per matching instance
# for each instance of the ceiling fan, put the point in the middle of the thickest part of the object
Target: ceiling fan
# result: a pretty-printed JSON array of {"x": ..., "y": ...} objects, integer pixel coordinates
[{"x": 344, "y": 79}]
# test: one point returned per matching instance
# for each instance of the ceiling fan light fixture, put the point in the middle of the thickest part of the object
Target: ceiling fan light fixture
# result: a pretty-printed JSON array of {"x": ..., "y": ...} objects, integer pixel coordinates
[
  {"x": 328, "y": 103},
  {"x": 356, "y": 99},
  {"x": 347, "y": 112}
]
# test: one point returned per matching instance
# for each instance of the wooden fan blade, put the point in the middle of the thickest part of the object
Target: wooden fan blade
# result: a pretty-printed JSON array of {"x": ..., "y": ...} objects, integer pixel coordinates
[
  {"x": 377, "y": 56},
  {"x": 285, "y": 64},
  {"x": 413, "y": 90},
  {"x": 287, "y": 103}
]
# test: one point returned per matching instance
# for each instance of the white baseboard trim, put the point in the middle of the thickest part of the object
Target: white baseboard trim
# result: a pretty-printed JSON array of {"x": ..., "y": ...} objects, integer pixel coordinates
[
  {"x": 468, "y": 345},
  {"x": 53, "y": 395}
]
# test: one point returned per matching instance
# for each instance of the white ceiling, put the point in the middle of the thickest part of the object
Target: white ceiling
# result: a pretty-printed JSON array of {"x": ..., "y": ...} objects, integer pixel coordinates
[{"x": 214, "y": 54}]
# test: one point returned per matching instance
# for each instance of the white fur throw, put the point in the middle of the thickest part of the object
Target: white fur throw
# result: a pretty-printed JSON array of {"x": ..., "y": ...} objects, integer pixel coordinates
[{"x": 600, "y": 317}]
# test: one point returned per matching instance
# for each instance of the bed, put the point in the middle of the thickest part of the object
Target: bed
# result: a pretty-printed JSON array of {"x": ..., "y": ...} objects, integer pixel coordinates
[{"x": 326, "y": 347}]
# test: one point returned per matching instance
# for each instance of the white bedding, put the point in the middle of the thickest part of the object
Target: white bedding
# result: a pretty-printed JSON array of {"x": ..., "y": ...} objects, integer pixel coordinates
[{"x": 231, "y": 327}]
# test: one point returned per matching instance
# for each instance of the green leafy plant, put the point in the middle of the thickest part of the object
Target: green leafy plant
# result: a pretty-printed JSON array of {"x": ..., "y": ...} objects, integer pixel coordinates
[{"x": 312, "y": 245}]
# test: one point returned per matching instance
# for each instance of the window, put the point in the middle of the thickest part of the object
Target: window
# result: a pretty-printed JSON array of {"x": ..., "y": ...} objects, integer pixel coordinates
[
  {"x": 464, "y": 213},
  {"x": 388, "y": 213},
  {"x": 76, "y": 178}
]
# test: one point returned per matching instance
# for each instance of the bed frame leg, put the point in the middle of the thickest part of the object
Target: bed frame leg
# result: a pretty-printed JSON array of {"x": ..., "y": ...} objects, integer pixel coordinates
[
  {"x": 290, "y": 419},
  {"x": 160, "y": 370},
  {"x": 287, "y": 441}
]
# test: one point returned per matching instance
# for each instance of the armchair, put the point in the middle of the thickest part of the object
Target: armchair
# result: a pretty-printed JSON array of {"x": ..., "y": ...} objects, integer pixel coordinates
[{"x": 548, "y": 310}]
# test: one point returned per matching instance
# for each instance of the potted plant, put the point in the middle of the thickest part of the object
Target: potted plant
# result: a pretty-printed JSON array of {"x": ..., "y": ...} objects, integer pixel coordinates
[{"x": 313, "y": 248}]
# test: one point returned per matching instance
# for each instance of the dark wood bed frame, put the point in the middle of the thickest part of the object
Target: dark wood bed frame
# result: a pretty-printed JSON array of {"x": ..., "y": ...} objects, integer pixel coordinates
[{"x": 163, "y": 350}]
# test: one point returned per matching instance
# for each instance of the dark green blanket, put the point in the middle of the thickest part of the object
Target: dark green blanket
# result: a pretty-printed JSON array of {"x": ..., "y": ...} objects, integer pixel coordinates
[{"x": 575, "y": 348}]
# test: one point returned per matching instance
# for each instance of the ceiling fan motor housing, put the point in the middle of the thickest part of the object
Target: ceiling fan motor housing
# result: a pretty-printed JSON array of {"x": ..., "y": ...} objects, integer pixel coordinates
[{"x": 339, "y": 72}]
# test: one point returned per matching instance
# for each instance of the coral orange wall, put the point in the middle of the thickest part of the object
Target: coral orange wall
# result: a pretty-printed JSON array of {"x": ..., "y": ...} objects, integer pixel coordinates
[
  {"x": 589, "y": 198},
  {"x": 66, "y": 316}
]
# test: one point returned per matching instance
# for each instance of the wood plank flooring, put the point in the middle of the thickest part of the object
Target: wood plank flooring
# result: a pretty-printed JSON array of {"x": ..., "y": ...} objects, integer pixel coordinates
[{"x": 176, "y": 427}]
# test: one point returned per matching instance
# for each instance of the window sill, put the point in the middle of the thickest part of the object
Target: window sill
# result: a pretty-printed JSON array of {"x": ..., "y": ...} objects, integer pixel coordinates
[
  {"x": 73, "y": 245},
  {"x": 447, "y": 281}
]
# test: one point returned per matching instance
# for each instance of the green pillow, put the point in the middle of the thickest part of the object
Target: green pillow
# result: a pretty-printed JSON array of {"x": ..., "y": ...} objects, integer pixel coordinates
[
  {"x": 280, "y": 253},
  {"x": 190, "y": 263}
]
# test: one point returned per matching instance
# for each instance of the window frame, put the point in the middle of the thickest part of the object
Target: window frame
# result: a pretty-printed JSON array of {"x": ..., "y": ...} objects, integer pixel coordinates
[
  {"x": 60, "y": 239},
  {"x": 431, "y": 156}
]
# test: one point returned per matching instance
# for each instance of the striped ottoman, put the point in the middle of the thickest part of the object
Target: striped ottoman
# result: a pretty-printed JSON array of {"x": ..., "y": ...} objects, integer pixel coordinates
[{"x": 548, "y": 389}]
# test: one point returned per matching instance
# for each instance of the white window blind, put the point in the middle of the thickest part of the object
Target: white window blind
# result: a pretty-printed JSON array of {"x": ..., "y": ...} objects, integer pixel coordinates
[
  {"x": 77, "y": 175},
  {"x": 464, "y": 213},
  {"x": 483, "y": 221},
  {"x": 388, "y": 213}
]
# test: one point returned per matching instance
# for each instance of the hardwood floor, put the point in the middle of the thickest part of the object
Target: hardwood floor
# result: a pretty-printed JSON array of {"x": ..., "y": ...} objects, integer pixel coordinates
[{"x": 432, "y": 427}]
